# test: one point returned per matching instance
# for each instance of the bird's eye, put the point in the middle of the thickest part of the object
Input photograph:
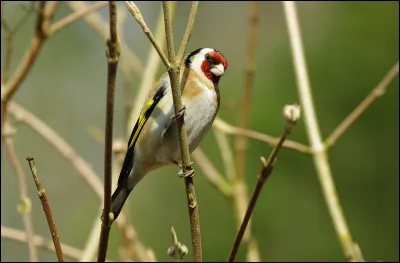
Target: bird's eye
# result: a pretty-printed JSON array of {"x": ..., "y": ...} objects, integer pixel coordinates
[{"x": 208, "y": 58}]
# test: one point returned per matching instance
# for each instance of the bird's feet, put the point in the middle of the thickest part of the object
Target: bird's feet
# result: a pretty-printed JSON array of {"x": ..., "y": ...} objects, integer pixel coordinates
[
  {"x": 180, "y": 114},
  {"x": 189, "y": 170}
]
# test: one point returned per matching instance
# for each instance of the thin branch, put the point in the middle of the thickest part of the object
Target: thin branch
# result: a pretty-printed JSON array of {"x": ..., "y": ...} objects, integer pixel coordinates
[
  {"x": 319, "y": 153},
  {"x": 212, "y": 174},
  {"x": 129, "y": 61},
  {"x": 152, "y": 64},
  {"x": 46, "y": 208},
  {"x": 265, "y": 172},
  {"x": 25, "y": 207},
  {"x": 227, "y": 128},
  {"x": 113, "y": 52},
  {"x": 66, "y": 21},
  {"x": 377, "y": 92},
  {"x": 40, "y": 242},
  {"x": 174, "y": 75},
  {"x": 139, "y": 18},
  {"x": 188, "y": 31}
]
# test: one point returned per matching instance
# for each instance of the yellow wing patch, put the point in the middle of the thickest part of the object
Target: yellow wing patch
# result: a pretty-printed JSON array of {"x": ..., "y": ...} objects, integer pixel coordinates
[{"x": 141, "y": 121}]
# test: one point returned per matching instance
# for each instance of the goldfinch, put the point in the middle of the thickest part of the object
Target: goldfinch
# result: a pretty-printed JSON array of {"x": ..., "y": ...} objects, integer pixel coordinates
[{"x": 154, "y": 141}]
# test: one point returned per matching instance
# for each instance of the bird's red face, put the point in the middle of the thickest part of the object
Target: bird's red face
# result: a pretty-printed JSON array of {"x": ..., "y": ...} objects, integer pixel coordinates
[{"x": 214, "y": 65}]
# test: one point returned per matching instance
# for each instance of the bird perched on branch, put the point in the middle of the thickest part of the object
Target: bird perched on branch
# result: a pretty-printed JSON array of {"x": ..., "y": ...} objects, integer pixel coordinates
[{"x": 154, "y": 141}]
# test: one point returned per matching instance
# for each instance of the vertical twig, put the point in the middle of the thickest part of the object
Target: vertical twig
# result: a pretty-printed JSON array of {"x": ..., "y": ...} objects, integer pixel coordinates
[
  {"x": 46, "y": 208},
  {"x": 241, "y": 191},
  {"x": 319, "y": 152},
  {"x": 174, "y": 74},
  {"x": 292, "y": 114},
  {"x": 25, "y": 207},
  {"x": 113, "y": 51}
]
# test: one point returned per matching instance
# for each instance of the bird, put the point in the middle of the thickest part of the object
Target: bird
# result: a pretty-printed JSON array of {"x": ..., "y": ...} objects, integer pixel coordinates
[{"x": 154, "y": 141}]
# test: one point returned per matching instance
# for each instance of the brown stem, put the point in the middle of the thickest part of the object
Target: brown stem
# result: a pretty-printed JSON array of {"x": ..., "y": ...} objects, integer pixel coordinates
[
  {"x": 265, "y": 172},
  {"x": 25, "y": 207},
  {"x": 174, "y": 74},
  {"x": 377, "y": 92},
  {"x": 113, "y": 51},
  {"x": 46, "y": 208}
]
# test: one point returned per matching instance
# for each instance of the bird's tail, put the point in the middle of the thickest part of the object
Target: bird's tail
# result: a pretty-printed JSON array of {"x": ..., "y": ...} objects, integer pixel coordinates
[{"x": 118, "y": 199}]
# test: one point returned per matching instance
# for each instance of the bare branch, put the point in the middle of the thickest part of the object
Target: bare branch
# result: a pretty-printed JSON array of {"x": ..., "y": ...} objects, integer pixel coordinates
[
  {"x": 265, "y": 172},
  {"x": 377, "y": 92},
  {"x": 139, "y": 18},
  {"x": 174, "y": 75},
  {"x": 113, "y": 52},
  {"x": 226, "y": 153},
  {"x": 319, "y": 153},
  {"x": 46, "y": 208}
]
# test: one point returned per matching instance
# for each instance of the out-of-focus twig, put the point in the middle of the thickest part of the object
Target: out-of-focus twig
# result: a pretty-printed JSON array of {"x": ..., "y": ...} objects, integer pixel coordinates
[
  {"x": 177, "y": 250},
  {"x": 212, "y": 173},
  {"x": 9, "y": 88},
  {"x": 25, "y": 207},
  {"x": 46, "y": 208},
  {"x": 188, "y": 32},
  {"x": 227, "y": 128},
  {"x": 240, "y": 196},
  {"x": 66, "y": 21},
  {"x": 377, "y": 92},
  {"x": 113, "y": 52},
  {"x": 226, "y": 154},
  {"x": 318, "y": 150},
  {"x": 129, "y": 61},
  {"x": 291, "y": 114},
  {"x": 40, "y": 242}
]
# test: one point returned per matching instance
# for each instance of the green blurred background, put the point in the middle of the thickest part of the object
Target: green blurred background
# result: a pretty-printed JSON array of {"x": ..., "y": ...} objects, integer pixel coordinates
[{"x": 349, "y": 47}]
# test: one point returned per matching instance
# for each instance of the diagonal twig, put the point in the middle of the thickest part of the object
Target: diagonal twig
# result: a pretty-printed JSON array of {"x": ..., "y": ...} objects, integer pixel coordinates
[
  {"x": 188, "y": 32},
  {"x": 377, "y": 92},
  {"x": 292, "y": 114},
  {"x": 46, "y": 208}
]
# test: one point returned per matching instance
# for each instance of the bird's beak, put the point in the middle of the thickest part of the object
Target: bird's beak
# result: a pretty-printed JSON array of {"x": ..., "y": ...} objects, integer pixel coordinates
[{"x": 218, "y": 70}]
